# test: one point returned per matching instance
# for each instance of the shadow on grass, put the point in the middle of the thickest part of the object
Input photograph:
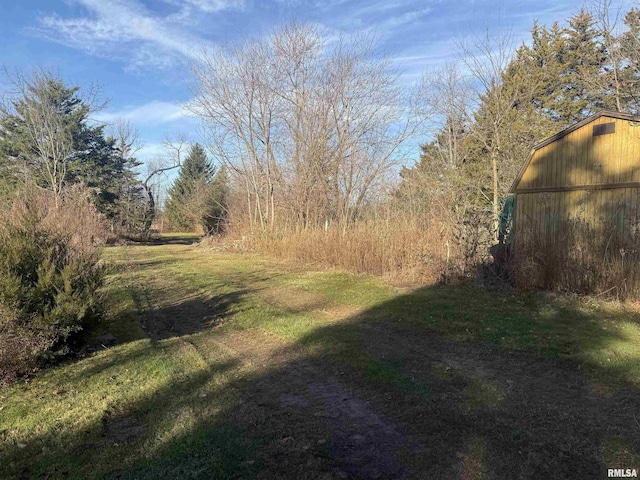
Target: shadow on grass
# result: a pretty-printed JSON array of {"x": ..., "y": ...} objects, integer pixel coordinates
[
  {"x": 191, "y": 316},
  {"x": 178, "y": 239},
  {"x": 431, "y": 384}
]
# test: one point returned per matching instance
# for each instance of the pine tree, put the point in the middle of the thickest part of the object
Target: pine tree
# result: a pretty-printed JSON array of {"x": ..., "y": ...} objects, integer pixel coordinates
[
  {"x": 562, "y": 68},
  {"x": 214, "y": 207},
  {"x": 37, "y": 130},
  {"x": 583, "y": 61},
  {"x": 191, "y": 197},
  {"x": 74, "y": 151},
  {"x": 630, "y": 47}
]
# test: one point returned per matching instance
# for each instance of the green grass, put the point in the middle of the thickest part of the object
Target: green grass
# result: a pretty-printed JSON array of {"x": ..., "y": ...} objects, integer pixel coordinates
[
  {"x": 603, "y": 337},
  {"x": 390, "y": 372},
  {"x": 175, "y": 407}
]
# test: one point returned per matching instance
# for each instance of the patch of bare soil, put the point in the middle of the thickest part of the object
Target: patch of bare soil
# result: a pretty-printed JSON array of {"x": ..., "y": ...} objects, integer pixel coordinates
[
  {"x": 364, "y": 443},
  {"x": 313, "y": 418},
  {"x": 552, "y": 423},
  {"x": 190, "y": 316},
  {"x": 119, "y": 429},
  {"x": 307, "y": 424},
  {"x": 303, "y": 419}
]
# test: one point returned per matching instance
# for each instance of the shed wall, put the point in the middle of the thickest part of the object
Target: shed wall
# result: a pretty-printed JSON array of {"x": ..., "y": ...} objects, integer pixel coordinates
[
  {"x": 581, "y": 159},
  {"x": 543, "y": 216}
]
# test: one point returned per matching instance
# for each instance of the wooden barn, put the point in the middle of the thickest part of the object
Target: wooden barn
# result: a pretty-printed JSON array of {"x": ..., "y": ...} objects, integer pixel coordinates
[{"x": 588, "y": 173}]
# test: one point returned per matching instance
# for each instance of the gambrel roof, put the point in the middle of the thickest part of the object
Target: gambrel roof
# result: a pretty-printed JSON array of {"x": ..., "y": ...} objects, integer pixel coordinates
[{"x": 567, "y": 131}]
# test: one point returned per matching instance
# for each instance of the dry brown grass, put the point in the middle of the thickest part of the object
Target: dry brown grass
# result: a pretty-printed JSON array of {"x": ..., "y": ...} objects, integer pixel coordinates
[
  {"x": 401, "y": 248},
  {"x": 580, "y": 258},
  {"x": 76, "y": 217}
]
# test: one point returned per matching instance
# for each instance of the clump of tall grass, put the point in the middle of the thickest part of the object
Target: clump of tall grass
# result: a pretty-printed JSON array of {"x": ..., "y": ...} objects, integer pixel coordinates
[
  {"x": 580, "y": 258},
  {"x": 404, "y": 248}
]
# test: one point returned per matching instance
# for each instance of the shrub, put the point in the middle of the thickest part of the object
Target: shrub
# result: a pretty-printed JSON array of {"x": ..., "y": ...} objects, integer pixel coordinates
[{"x": 49, "y": 281}]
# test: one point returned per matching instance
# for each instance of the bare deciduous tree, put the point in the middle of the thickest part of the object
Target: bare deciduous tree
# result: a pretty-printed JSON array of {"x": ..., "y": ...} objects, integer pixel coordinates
[
  {"x": 127, "y": 138},
  {"x": 307, "y": 126},
  {"x": 496, "y": 114},
  {"x": 157, "y": 168},
  {"x": 238, "y": 104}
]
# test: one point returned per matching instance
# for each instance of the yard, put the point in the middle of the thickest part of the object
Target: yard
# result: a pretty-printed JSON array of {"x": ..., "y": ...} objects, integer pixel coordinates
[{"x": 219, "y": 365}]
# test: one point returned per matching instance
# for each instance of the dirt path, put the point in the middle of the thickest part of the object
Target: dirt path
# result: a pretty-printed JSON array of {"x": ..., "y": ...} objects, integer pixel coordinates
[
  {"x": 547, "y": 420},
  {"x": 357, "y": 440},
  {"x": 408, "y": 403}
]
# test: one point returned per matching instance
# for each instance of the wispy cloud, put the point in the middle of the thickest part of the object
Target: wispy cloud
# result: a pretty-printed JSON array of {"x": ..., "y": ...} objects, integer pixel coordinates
[
  {"x": 154, "y": 112},
  {"x": 127, "y": 30},
  {"x": 150, "y": 151},
  {"x": 436, "y": 56},
  {"x": 383, "y": 17},
  {"x": 208, "y": 6}
]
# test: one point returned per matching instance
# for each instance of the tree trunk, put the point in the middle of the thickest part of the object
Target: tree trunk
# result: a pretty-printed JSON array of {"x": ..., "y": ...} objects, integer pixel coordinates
[{"x": 496, "y": 210}]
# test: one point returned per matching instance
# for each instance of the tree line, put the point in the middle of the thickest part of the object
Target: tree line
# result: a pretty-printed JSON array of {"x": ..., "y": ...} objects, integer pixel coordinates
[
  {"x": 314, "y": 130},
  {"x": 494, "y": 104},
  {"x": 49, "y": 141}
]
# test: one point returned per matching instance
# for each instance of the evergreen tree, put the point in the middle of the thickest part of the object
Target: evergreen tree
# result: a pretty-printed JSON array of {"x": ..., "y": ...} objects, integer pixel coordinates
[
  {"x": 197, "y": 196},
  {"x": 37, "y": 130},
  {"x": 583, "y": 61},
  {"x": 46, "y": 138},
  {"x": 214, "y": 207},
  {"x": 630, "y": 47},
  {"x": 541, "y": 65},
  {"x": 561, "y": 67}
]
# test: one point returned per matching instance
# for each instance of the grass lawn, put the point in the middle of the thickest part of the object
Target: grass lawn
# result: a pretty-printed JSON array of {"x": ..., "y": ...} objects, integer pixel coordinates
[{"x": 218, "y": 365}]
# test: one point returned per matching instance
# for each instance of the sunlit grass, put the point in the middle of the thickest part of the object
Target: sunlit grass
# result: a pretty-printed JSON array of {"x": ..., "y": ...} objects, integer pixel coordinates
[
  {"x": 551, "y": 326},
  {"x": 174, "y": 394}
]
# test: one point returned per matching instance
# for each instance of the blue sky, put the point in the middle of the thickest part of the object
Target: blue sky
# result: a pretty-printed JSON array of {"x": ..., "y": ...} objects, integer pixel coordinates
[{"x": 140, "y": 50}]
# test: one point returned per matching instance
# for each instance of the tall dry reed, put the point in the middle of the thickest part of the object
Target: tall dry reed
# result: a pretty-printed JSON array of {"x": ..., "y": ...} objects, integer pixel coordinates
[
  {"x": 399, "y": 247},
  {"x": 581, "y": 258}
]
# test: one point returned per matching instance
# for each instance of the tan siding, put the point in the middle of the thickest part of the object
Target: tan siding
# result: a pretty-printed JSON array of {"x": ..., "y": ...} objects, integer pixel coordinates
[
  {"x": 591, "y": 198},
  {"x": 570, "y": 176},
  {"x": 562, "y": 158},
  {"x": 621, "y": 152},
  {"x": 545, "y": 161},
  {"x": 577, "y": 140},
  {"x": 580, "y": 159},
  {"x": 601, "y": 166},
  {"x": 632, "y": 151},
  {"x": 585, "y": 154},
  {"x": 626, "y": 221},
  {"x": 544, "y": 165},
  {"x": 537, "y": 172},
  {"x": 605, "y": 211},
  {"x": 529, "y": 173},
  {"x": 555, "y": 166},
  {"x": 633, "y": 205}
]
